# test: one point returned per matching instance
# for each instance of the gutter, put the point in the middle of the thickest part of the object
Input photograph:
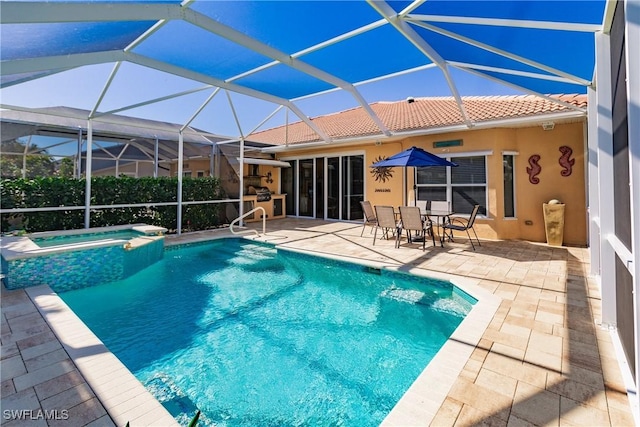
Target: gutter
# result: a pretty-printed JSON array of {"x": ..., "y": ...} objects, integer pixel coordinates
[{"x": 516, "y": 122}]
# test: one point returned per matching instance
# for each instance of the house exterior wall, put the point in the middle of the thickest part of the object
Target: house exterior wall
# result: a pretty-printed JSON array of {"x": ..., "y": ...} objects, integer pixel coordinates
[
  {"x": 522, "y": 142},
  {"x": 230, "y": 185},
  {"x": 192, "y": 166},
  {"x": 142, "y": 169}
]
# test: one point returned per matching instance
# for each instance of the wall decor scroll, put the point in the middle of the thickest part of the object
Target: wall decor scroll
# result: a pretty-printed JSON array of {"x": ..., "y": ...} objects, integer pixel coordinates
[
  {"x": 566, "y": 161},
  {"x": 535, "y": 169},
  {"x": 381, "y": 174}
]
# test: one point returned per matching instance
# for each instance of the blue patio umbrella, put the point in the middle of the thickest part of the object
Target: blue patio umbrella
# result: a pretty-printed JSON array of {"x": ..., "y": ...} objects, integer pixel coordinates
[{"x": 414, "y": 156}]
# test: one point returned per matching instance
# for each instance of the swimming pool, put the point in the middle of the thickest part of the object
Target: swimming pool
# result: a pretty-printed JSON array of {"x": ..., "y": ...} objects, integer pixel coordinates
[
  {"x": 71, "y": 259},
  {"x": 51, "y": 240},
  {"x": 255, "y": 335}
]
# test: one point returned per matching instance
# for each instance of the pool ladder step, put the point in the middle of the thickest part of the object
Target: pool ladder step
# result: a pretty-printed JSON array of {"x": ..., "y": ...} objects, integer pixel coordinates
[{"x": 241, "y": 217}]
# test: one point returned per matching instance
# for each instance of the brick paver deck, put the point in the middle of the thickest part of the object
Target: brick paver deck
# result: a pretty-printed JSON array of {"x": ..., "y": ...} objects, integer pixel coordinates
[{"x": 541, "y": 358}]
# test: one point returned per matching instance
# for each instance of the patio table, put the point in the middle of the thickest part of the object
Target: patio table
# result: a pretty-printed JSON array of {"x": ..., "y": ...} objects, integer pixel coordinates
[
  {"x": 426, "y": 214},
  {"x": 441, "y": 217}
]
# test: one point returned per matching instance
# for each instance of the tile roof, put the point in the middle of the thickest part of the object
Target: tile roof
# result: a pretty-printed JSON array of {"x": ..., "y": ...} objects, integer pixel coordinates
[{"x": 422, "y": 114}]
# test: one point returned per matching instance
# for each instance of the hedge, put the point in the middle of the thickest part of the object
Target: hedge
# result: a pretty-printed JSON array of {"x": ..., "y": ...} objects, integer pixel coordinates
[{"x": 56, "y": 191}]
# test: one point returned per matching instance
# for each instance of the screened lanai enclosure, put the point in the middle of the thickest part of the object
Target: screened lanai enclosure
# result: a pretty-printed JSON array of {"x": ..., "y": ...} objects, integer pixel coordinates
[
  {"x": 233, "y": 68},
  {"x": 52, "y": 142},
  {"x": 224, "y": 70}
]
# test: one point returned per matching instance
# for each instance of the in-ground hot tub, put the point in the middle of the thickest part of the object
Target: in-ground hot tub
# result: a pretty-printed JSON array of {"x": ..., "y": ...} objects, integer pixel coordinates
[{"x": 72, "y": 259}]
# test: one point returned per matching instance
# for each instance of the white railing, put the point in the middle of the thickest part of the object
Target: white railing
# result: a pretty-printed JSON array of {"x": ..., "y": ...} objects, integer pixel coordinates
[{"x": 264, "y": 221}]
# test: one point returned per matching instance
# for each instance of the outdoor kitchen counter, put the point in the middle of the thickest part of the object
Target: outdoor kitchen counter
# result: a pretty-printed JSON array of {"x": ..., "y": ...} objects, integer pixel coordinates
[{"x": 274, "y": 208}]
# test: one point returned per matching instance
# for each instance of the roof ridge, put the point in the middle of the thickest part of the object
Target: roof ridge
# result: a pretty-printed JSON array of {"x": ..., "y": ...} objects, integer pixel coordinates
[
  {"x": 482, "y": 97},
  {"x": 430, "y": 112}
]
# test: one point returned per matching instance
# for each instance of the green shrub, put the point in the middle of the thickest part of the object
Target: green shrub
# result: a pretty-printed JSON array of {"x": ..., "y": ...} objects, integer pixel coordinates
[{"x": 58, "y": 191}]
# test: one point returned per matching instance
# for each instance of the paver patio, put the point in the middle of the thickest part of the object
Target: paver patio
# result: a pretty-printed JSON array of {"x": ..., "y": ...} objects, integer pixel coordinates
[{"x": 542, "y": 360}]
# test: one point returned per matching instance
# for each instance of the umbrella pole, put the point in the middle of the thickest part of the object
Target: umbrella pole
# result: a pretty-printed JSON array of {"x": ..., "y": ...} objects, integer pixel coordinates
[{"x": 404, "y": 185}]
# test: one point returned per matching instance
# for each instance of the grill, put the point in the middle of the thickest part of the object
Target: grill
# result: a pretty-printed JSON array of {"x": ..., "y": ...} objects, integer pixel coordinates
[{"x": 262, "y": 193}]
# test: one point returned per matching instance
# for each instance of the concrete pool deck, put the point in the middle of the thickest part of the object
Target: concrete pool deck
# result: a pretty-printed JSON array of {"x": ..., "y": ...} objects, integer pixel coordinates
[{"x": 535, "y": 355}]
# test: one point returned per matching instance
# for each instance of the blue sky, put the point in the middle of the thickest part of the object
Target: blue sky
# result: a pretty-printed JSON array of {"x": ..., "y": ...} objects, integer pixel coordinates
[{"x": 81, "y": 88}]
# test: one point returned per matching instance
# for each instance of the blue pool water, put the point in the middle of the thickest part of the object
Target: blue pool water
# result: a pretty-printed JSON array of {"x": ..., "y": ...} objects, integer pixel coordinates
[
  {"x": 46, "y": 242},
  {"x": 251, "y": 335}
]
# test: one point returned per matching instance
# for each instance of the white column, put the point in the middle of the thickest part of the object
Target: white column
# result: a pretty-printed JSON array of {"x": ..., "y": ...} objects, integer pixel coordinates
[
  {"x": 180, "y": 161},
  {"x": 87, "y": 195},
  {"x": 593, "y": 190},
  {"x": 632, "y": 52},
  {"x": 211, "y": 158},
  {"x": 24, "y": 157},
  {"x": 605, "y": 179},
  {"x": 155, "y": 158},
  {"x": 78, "y": 168},
  {"x": 241, "y": 191}
]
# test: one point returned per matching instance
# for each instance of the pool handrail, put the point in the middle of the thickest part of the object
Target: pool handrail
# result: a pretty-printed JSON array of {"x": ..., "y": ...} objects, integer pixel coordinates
[{"x": 264, "y": 221}]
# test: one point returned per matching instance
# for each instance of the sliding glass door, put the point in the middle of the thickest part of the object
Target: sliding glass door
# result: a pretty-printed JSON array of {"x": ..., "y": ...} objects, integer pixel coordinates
[
  {"x": 325, "y": 187},
  {"x": 352, "y": 187},
  {"x": 289, "y": 187},
  {"x": 319, "y": 186},
  {"x": 305, "y": 187},
  {"x": 333, "y": 187}
]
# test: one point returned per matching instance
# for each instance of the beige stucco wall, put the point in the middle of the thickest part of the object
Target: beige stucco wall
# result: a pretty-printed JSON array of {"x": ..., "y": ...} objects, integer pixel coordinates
[
  {"x": 230, "y": 186},
  {"x": 142, "y": 169},
  {"x": 523, "y": 142}
]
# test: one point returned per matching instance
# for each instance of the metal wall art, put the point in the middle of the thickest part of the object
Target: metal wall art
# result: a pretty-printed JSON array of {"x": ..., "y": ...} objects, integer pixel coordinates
[
  {"x": 566, "y": 161},
  {"x": 535, "y": 169},
  {"x": 381, "y": 174}
]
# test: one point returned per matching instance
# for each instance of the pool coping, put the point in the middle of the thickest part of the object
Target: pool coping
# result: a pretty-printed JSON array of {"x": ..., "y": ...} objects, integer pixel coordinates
[
  {"x": 123, "y": 396},
  {"x": 425, "y": 396},
  {"x": 127, "y": 400},
  {"x": 423, "y": 399},
  {"x": 22, "y": 247}
]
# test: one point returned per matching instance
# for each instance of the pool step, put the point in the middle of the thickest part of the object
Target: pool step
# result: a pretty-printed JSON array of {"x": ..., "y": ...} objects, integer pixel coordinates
[
  {"x": 173, "y": 398},
  {"x": 136, "y": 242},
  {"x": 411, "y": 296}
]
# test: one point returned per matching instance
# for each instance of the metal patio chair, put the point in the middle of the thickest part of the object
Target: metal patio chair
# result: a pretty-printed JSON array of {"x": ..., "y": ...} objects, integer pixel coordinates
[
  {"x": 369, "y": 216},
  {"x": 440, "y": 205},
  {"x": 412, "y": 220},
  {"x": 464, "y": 225},
  {"x": 422, "y": 204},
  {"x": 386, "y": 219}
]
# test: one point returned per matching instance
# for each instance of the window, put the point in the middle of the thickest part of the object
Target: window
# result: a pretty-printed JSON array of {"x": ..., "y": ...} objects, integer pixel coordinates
[
  {"x": 186, "y": 174},
  {"x": 464, "y": 186},
  {"x": 507, "y": 172},
  {"x": 200, "y": 174}
]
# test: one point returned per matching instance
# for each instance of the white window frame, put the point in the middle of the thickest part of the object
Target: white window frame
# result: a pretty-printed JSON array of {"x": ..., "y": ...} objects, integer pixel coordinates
[{"x": 449, "y": 186}]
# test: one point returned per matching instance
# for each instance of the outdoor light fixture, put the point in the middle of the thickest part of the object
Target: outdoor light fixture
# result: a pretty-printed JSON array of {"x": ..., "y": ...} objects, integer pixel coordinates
[{"x": 548, "y": 125}]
